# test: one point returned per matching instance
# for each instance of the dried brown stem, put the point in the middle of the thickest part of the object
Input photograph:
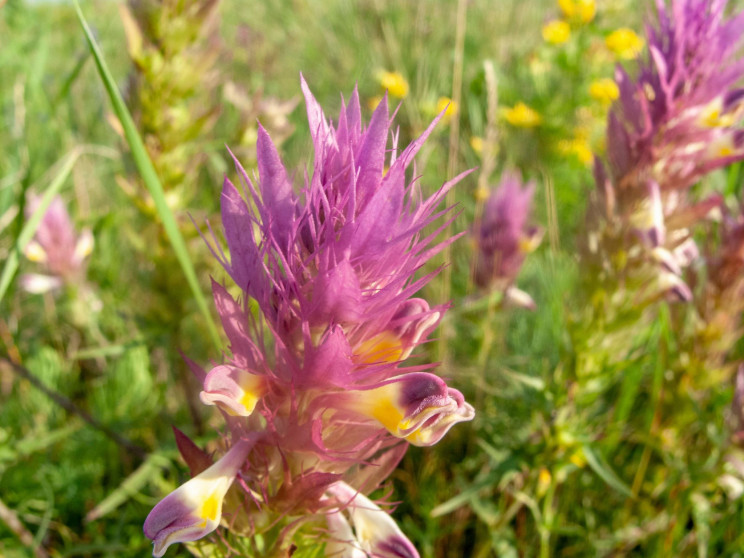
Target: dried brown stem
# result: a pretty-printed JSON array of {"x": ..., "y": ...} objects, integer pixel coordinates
[{"x": 9, "y": 517}]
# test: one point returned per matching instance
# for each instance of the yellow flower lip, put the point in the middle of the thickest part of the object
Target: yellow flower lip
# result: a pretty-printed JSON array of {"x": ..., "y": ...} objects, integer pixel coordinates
[
  {"x": 712, "y": 115},
  {"x": 35, "y": 252},
  {"x": 384, "y": 347},
  {"x": 417, "y": 407},
  {"x": 194, "y": 509},
  {"x": 234, "y": 390}
]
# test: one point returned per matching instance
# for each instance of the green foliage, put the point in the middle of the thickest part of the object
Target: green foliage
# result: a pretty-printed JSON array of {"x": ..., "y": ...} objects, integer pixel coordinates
[{"x": 604, "y": 427}]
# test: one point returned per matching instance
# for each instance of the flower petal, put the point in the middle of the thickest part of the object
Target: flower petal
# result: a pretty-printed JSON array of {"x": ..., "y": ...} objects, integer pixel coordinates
[
  {"x": 234, "y": 390},
  {"x": 35, "y": 252},
  {"x": 39, "y": 284},
  {"x": 342, "y": 544},
  {"x": 417, "y": 406},
  {"x": 194, "y": 509},
  {"x": 83, "y": 246},
  {"x": 376, "y": 532}
]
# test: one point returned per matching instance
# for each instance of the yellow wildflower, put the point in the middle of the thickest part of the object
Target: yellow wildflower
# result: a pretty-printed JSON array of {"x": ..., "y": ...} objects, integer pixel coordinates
[
  {"x": 395, "y": 84},
  {"x": 578, "y": 147},
  {"x": 581, "y": 10},
  {"x": 522, "y": 116},
  {"x": 449, "y": 104},
  {"x": 538, "y": 67},
  {"x": 481, "y": 194},
  {"x": 544, "y": 479},
  {"x": 476, "y": 142},
  {"x": 604, "y": 90},
  {"x": 556, "y": 32},
  {"x": 624, "y": 43},
  {"x": 373, "y": 102},
  {"x": 578, "y": 458}
]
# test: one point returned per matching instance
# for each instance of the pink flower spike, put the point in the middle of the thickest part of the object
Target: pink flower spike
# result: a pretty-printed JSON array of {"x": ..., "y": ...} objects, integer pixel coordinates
[
  {"x": 194, "y": 509},
  {"x": 56, "y": 246},
  {"x": 503, "y": 236},
  {"x": 232, "y": 389},
  {"x": 376, "y": 532},
  {"x": 417, "y": 406}
]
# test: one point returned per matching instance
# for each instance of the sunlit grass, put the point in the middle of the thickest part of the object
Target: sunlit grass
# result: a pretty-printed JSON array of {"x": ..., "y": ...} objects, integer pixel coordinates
[{"x": 595, "y": 435}]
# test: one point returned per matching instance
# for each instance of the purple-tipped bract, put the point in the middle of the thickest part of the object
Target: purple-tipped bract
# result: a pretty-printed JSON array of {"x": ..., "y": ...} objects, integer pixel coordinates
[{"x": 319, "y": 377}]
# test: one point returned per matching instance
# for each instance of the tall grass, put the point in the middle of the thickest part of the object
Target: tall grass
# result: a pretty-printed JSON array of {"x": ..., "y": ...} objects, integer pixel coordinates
[{"x": 595, "y": 434}]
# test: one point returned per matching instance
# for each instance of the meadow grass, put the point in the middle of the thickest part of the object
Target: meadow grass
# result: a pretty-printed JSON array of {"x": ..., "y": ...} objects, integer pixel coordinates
[{"x": 593, "y": 436}]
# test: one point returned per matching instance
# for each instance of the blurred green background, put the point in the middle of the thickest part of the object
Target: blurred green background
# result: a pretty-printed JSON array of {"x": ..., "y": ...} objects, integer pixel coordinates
[{"x": 590, "y": 439}]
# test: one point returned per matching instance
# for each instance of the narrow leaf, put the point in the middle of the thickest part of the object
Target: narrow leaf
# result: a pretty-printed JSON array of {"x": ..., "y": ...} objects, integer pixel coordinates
[
  {"x": 149, "y": 176},
  {"x": 131, "y": 485},
  {"x": 604, "y": 472}
]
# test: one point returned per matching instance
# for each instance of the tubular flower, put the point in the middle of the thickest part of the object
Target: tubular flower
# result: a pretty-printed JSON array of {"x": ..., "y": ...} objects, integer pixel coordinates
[
  {"x": 503, "y": 237},
  {"x": 375, "y": 532},
  {"x": 57, "y": 247},
  {"x": 318, "y": 373},
  {"x": 195, "y": 508},
  {"x": 233, "y": 389},
  {"x": 417, "y": 406}
]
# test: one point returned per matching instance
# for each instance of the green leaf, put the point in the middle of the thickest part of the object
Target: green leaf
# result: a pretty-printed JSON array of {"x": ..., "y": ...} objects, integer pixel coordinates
[
  {"x": 104, "y": 351},
  {"x": 604, "y": 472},
  {"x": 702, "y": 516},
  {"x": 149, "y": 177},
  {"x": 41, "y": 441},
  {"x": 532, "y": 382},
  {"x": 464, "y": 497},
  {"x": 131, "y": 485}
]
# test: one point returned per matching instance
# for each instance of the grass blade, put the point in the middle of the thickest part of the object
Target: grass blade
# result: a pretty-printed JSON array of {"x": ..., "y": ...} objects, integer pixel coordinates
[
  {"x": 149, "y": 176},
  {"x": 131, "y": 485},
  {"x": 599, "y": 466}
]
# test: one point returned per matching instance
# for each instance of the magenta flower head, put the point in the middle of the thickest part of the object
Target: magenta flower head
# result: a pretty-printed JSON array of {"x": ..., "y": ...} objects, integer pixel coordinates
[
  {"x": 680, "y": 117},
  {"x": 57, "y": 247},
  {"x": 503, "y": 236},
  {"x": 318, "y": 379}
]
